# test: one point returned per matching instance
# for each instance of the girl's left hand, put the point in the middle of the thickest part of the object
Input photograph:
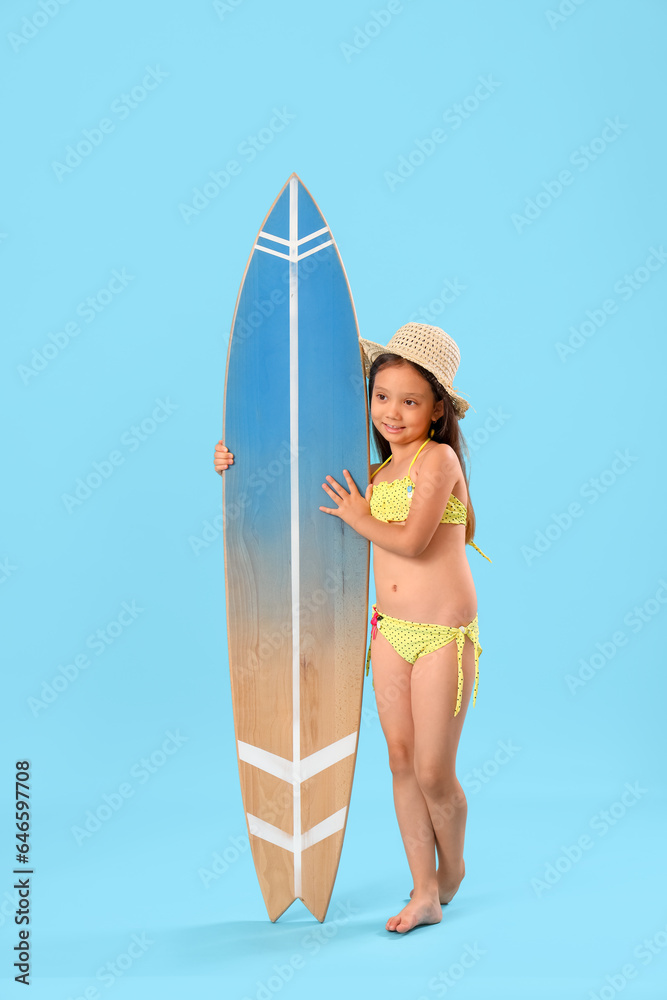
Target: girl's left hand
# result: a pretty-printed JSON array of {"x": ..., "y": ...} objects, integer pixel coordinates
[{"x": 352, "y": 507}]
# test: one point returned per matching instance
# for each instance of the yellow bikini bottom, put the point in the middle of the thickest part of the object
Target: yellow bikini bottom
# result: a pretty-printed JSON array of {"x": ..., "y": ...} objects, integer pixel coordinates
[{"x": 414, "y": 639}]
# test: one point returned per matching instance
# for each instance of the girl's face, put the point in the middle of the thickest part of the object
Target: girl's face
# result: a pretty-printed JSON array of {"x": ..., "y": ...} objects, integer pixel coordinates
[{"x": 402, "y": 405}]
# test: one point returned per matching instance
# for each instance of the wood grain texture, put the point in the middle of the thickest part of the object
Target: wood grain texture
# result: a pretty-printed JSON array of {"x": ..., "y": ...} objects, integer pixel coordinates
[{"x": 296, "y": 579}]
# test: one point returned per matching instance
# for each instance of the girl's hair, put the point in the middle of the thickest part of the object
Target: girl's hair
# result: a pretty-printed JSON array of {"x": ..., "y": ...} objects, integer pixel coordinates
[{"x": 446, "y": 429}]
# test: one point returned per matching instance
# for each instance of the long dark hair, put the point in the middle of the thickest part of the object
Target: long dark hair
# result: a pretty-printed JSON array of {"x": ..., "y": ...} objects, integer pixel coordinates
[{"x": 446, "y": 430}]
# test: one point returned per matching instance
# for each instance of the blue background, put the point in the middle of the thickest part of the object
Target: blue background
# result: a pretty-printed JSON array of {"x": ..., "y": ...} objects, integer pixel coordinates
[{"x": 571, "y": 674}]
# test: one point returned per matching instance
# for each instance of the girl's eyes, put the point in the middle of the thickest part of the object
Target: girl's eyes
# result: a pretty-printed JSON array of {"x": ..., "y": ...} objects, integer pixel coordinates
[{"x": 381, "y": 395}]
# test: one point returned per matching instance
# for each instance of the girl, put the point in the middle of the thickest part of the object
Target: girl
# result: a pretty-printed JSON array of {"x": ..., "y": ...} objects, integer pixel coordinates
[{"x": 418, "y": 516}]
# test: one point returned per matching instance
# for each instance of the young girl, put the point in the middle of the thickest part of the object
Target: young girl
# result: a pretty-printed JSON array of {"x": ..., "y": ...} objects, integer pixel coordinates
[{"x": 418, "y": 516}]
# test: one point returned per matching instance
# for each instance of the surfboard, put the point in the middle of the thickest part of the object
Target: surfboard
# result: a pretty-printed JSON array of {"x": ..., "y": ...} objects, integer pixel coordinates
[{"x": 296, "y": 578}]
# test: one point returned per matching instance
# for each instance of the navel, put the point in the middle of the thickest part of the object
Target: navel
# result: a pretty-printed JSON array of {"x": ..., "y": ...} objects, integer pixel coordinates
[{"x": 394, "y": 587}]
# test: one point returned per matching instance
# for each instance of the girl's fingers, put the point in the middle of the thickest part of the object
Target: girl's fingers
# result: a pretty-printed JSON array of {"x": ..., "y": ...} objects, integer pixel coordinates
[
  {"x": 333, "y": 482},
  {"x": 350, "y": 481}
]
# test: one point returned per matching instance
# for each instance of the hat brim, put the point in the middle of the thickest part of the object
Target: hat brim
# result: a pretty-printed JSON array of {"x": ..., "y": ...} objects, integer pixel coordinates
[{"x": 371, "y": 350}]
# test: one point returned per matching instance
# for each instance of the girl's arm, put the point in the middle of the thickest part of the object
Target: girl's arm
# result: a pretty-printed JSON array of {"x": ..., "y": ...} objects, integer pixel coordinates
[{"x": 438, "y": 472}]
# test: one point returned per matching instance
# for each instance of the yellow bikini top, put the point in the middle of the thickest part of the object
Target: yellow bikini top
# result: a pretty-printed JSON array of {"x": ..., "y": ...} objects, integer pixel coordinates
[{"x": 391, "y": 501}]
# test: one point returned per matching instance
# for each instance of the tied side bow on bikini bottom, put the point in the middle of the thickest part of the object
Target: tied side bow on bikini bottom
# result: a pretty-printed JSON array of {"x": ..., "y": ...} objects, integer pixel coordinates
[{"x": 413, "y": 639}]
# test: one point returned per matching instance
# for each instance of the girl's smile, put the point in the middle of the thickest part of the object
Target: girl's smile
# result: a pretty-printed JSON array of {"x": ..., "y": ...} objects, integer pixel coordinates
[{"x": 392, "y": 430}]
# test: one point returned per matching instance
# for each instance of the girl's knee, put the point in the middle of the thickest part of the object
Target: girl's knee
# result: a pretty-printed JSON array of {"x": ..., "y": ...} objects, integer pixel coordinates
[
  {"x": 438, "y": 783},
  {"x": 401, "y": 758}
]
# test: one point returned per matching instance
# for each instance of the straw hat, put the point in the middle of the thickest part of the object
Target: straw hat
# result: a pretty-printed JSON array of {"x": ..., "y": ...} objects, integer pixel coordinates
[{"x": 428, "y": 346}]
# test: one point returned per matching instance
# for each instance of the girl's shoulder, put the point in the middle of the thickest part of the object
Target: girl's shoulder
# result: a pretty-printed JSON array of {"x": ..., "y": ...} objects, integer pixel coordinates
[{"x": 446, "y": 455}]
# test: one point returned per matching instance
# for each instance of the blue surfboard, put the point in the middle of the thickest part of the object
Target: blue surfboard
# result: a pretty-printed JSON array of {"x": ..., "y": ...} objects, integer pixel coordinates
[{"x": 296, "y": 578}]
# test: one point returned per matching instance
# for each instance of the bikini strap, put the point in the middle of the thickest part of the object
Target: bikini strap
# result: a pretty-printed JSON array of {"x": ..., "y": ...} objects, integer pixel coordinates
[
  {"x": 380, "y": 467},
  {"x": 410, "y": 466},
  {"x": 420, "y": 448},
  {"x": 480, "y": 551}
]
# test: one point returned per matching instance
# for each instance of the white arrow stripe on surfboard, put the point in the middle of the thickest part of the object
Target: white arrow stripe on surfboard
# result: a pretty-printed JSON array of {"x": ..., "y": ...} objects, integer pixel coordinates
[
  {"x": 293, "y": 247},
  {"x": 276, "y": 239},
  {"x": 267, "y": 831},
  {"x": 286, "y": 243},
  {"x": 281, "y": 767},
  {"x": 311, "y": 236},
  {"x": 285, "y": 256},
  {"x": 276, "y": 253},
  {"x": 320, "y": 246}
]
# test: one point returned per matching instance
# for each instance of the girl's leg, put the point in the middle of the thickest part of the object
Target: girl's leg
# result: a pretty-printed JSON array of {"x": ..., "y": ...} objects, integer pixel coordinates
[
  {"x": 391, "y": 676},
  {"x": 437, "y": 733}
]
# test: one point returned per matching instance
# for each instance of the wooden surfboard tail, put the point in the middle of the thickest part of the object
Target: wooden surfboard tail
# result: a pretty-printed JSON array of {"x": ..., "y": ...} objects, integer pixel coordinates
[{"x": 317, "y": 790}]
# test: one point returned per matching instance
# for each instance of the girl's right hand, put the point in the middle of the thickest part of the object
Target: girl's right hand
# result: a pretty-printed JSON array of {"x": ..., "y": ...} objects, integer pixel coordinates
[{"x": 222, "y": 457}]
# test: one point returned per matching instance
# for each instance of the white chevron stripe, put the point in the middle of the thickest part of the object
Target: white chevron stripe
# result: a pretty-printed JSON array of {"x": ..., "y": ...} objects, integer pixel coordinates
[
  {"x": 297, "y": 771},
  {"x": 321, "y": 246},
  {"x": 267, "y": 831},
  {"x": 276, "y": 239},
  {"x": 318, "y": 232},
  {"x": 327, "y": 756},
  {"x": 294, "y": 256},
  {"x": 275, "y": 253},
  {"x": 279, "y": 767},
  {"x": 332, "y": 824}
]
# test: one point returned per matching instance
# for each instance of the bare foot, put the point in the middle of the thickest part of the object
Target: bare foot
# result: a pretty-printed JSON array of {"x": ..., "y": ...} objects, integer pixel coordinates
[
  {"x": 447, "y": 888},
  {"x": 423, "y": 910}
]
